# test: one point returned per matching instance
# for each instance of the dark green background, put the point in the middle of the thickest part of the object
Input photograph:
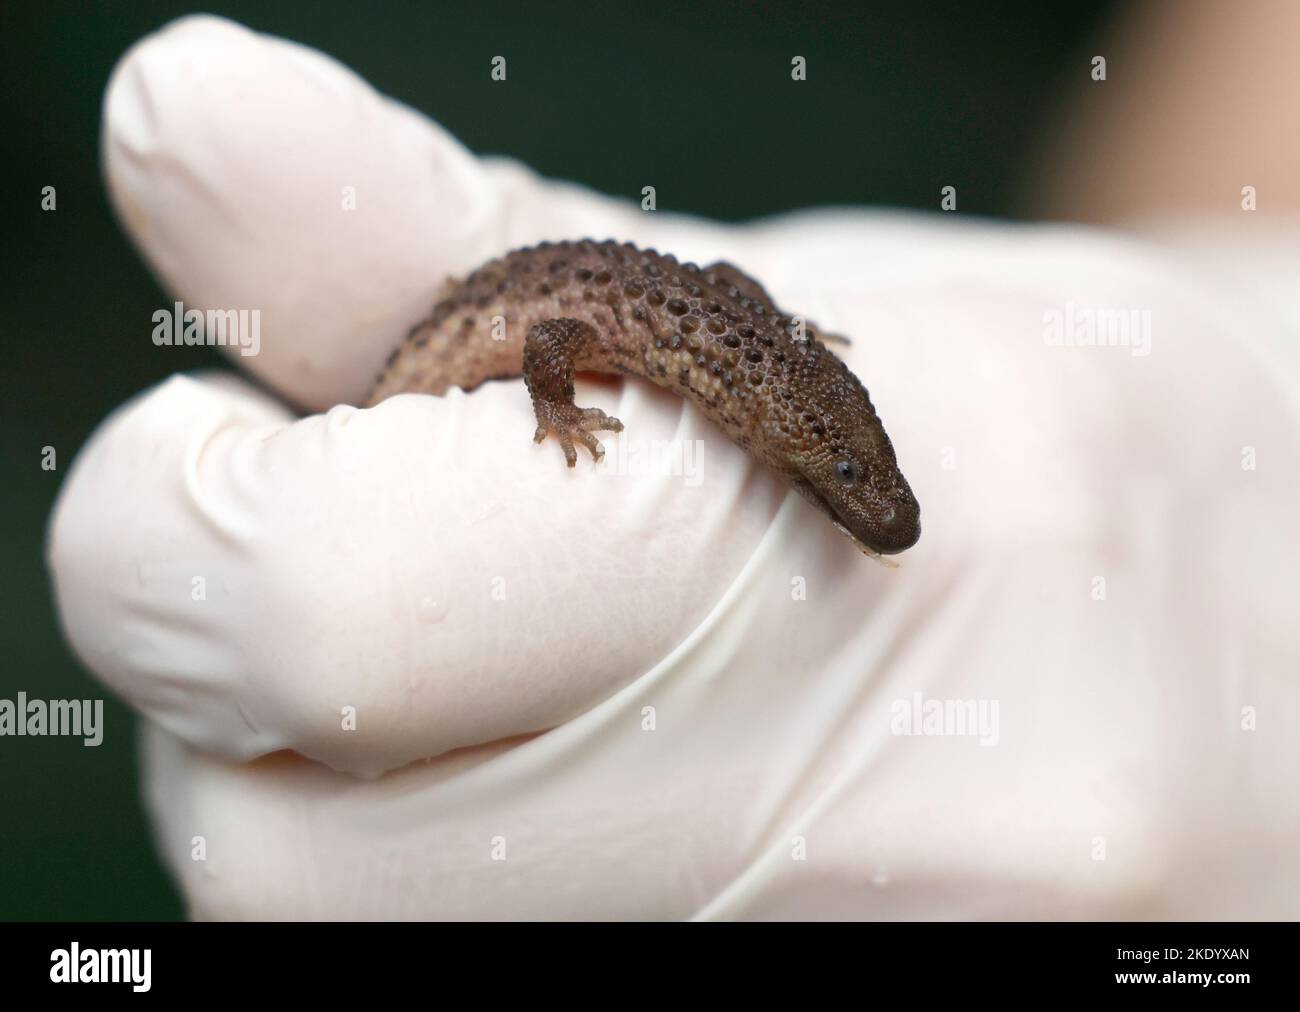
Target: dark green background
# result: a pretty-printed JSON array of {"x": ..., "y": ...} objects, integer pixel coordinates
[{"x": 900, "y": 100}]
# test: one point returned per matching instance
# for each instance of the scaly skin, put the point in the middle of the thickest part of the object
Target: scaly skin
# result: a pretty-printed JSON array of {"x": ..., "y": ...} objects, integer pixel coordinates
[{"x": 712, "y": 335}]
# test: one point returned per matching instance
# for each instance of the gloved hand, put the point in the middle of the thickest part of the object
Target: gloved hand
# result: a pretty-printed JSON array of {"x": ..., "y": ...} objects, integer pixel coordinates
[{"x": 402, "y": 662}]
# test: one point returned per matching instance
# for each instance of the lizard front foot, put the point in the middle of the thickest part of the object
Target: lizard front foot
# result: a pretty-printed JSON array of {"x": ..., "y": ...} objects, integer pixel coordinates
[
  {"x": 551, "y": 349},
  {"x": 570, "y": 423}
]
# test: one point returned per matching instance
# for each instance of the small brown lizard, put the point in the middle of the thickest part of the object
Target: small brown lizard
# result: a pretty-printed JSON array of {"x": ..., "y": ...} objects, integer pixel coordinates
[{"x": 711, "y": 334}]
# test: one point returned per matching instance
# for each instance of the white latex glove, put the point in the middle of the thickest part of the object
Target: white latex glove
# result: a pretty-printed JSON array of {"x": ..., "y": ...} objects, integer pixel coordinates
[{"x": 502, "y": 624}]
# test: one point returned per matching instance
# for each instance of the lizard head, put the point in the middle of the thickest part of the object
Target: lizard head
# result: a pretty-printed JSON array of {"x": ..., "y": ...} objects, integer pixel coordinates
[{"x": 844, "y": 463}]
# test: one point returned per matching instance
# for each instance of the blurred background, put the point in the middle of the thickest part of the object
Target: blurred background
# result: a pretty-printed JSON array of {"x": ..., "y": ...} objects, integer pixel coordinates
[{"x": 900, "y": 100}]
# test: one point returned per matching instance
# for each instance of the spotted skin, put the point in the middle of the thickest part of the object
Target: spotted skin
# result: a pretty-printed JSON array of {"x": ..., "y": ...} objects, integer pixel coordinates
[{"x": 712, "y": 335}]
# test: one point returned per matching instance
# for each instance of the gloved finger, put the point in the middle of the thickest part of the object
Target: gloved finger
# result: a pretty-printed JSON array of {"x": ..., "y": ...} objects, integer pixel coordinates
[
  {"x": 373, "y": 587},
  {"x": 257, "y": 174}
]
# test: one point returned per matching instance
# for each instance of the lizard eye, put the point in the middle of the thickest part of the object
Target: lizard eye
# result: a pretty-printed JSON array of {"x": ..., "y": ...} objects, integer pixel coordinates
[{"x": 846, "y": 472}]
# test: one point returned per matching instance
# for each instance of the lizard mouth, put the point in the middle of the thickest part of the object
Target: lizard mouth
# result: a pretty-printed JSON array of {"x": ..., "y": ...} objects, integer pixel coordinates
[{"x": 805, "y": 489}]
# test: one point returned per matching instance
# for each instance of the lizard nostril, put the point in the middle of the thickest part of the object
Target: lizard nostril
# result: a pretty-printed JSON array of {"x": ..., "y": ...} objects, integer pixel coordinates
[{"x": 898, "y": 527}]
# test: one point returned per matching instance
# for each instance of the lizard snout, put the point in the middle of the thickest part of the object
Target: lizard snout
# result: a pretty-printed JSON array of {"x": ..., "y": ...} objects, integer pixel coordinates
[{"x": 898, "y": 527}]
